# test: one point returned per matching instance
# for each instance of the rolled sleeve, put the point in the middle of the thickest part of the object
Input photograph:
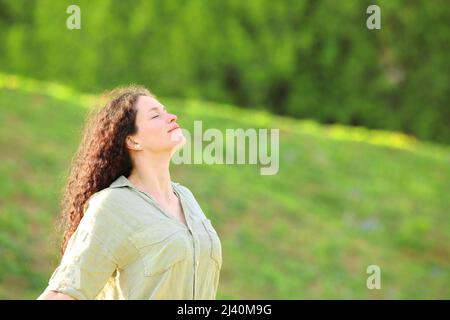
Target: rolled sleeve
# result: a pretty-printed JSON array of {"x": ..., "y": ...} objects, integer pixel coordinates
[
  {"x": 87, "y": 263},
  {"x": 83, "y": 273}
]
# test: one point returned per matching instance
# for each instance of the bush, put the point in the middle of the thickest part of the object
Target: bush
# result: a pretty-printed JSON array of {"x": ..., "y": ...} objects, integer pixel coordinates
[{"x": 310, "y": 58}]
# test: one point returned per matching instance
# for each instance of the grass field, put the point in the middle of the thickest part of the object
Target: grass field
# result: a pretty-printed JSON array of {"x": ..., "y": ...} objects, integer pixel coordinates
[{"x": 344, "y": 198}]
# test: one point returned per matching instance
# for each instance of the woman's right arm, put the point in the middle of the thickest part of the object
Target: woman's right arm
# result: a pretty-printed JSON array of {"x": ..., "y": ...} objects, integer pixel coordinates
[{"x": 53, "y": 295}]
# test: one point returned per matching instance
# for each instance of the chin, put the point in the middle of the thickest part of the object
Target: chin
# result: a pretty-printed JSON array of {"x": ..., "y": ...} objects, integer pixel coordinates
[
  {"x": 178, "y": 143},
  {"x": 177, "y": 137}
]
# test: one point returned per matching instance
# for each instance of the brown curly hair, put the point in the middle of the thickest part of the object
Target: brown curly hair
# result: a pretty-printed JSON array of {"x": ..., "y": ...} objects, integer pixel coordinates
[{"x": 101, "y": 156}]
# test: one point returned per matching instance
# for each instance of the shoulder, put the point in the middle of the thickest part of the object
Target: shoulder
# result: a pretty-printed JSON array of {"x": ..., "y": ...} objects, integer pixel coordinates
[
  {"x": 109, "y": 198},
  {"x": 185, "y": 192},
  {"x": 192, "y": 201},
  {"x": 106, "y": 206},
  {"x": 103, "y": 219}
]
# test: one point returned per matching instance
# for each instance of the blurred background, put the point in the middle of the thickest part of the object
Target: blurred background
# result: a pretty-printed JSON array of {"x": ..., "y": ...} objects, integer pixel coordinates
[{"x": 364, "y": 134}]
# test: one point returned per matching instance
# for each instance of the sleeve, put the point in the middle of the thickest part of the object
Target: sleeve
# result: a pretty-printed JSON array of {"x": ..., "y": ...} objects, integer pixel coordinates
[{"x": 87, "y": 263}]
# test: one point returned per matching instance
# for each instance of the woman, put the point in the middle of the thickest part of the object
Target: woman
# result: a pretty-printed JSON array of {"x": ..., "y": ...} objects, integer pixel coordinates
[{"x": 131, "y": 232}]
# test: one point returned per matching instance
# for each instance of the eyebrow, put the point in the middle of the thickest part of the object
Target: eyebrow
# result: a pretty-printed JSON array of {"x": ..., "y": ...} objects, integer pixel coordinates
[{"x": 156, "y": 108}]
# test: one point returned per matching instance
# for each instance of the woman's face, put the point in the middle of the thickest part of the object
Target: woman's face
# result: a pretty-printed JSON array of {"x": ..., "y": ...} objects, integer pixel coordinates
[{"x": 157, "y": 131}]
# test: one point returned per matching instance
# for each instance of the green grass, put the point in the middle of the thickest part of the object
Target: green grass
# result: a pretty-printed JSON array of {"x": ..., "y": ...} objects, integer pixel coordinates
[{"x": 344, "y": 198}]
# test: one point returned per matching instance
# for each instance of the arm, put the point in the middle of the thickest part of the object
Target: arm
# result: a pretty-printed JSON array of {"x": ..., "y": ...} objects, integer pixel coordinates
[
  {"x": 89, "y": 259},
  {"x": 53, "y": 295}
]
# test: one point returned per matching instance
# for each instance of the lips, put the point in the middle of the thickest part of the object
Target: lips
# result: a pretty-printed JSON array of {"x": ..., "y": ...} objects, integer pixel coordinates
[{"x": 176, "y": 127}]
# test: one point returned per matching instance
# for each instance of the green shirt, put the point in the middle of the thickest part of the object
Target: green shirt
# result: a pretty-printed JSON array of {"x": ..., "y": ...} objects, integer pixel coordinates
[{"x": 128, "y": 247}]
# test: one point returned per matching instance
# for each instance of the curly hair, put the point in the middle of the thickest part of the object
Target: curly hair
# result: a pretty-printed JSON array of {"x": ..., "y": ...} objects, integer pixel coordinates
[{"x": 101, "y": 156}]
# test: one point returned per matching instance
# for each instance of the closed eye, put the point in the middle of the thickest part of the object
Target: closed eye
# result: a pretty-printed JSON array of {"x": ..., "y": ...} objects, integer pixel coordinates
[{"x": 155, "y": 116}]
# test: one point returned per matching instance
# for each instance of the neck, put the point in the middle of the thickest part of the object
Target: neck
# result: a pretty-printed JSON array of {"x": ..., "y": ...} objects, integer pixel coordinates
[{"x": 151, "y": 174}]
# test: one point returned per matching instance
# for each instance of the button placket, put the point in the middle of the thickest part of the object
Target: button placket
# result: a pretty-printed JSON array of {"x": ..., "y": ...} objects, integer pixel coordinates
[
  {"x": 191, "y": 232},
  {"x": 195, "y": 267}
]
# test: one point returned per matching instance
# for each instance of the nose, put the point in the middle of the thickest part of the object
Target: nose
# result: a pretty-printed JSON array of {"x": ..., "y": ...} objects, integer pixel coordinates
[{"x": 172, "y": 117}]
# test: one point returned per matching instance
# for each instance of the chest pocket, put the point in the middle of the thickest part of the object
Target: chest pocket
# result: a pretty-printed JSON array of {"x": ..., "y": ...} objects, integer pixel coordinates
[
  {"x": 160, "y": 248},
  {"x": 215, "y": 248}
]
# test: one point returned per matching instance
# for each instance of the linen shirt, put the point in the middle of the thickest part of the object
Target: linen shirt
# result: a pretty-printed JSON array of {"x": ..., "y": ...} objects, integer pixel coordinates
[{"x": 128, "y": 247}]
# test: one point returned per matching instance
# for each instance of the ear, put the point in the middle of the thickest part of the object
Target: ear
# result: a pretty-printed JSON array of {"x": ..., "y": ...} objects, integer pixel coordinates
[{"x": 131, "y": 143}]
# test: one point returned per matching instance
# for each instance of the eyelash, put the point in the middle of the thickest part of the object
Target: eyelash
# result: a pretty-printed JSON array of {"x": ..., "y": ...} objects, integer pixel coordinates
[{"x": 158, "y": 115}]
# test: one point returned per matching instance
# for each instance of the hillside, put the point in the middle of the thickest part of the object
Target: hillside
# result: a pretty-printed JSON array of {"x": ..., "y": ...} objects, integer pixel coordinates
[{"x": 343, "y": 199}]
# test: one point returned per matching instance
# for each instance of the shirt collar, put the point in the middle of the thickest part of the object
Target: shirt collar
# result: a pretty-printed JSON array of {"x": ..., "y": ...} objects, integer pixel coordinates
[{"x": 122, "y": 181}]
